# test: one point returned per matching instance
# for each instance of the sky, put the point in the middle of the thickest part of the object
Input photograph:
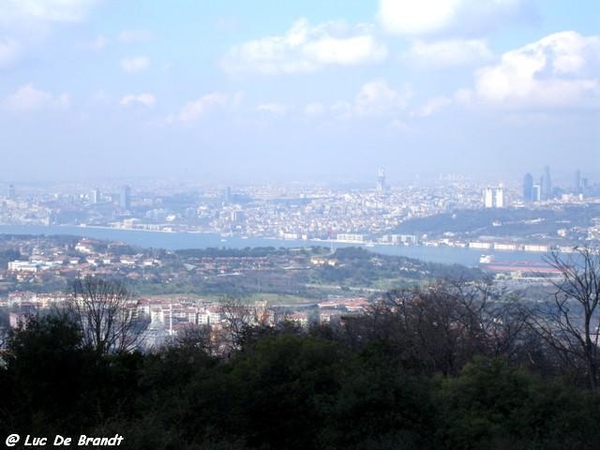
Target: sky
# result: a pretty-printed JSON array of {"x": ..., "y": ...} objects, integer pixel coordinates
[{"x": 264, "y": 90}]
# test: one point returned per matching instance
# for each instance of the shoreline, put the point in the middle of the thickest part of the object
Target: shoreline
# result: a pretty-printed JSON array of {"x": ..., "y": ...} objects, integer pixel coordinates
[{"x": 179, "y": 240}]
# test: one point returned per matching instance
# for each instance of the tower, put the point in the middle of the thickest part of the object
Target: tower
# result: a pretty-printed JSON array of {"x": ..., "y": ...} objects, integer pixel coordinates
[
  {"x": 125, "y": 198},
  {"x": 499, "y": 197},
  {"x": 546, "y": 184},
  {"x": 95, "y": 197},
  {"x": 577, "y": 183},
  {"x": 528, "y": 188},
  {"x": 536, "y": 193},
  {"x": 381, "y": 180},
  {"x": 488, "y": 197},
  {"x": 11, "y": 193},
  {"x": 493, "y": 197}
]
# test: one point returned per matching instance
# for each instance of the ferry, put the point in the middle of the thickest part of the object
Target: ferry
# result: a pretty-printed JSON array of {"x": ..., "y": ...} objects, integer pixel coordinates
[{"x": 489, "y": 263}]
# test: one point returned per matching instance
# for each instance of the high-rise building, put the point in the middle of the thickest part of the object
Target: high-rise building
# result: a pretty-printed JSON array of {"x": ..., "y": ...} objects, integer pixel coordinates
[
  {"x": 381, "y": 186},
  {"x": 536, "y": 193},
  {"x": 577, "y": 183},
  {"x": 528, "y": 188},
  {"x": 493, "y": 197},
  {"x": 546, "y": 184},
  {"x": 125, "y": 198},
  {"x": 95, "y": 197},
  {"x": 11, "y": 192},
  {"x": 499, "y": 197},
  {"x": 488, "y": 197},
  {"x": 584, "y": 184}
]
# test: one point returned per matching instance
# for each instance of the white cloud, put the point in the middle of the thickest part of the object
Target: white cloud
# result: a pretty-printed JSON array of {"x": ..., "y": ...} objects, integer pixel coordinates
[
  {"x": 98, "y": 43},
  {"x": 134, "y": 36},
  {"x": 376, "y": 98},
  {"x": 9, "y": 52},
  {"x": 45, "y": 10},
  {"x": 273, "y": 108},
  {"x": 135, "y": 64},
  {"x": 194, "y": 110},
  {"x": 400, "y": 125},
  {"x": 559, "y": 71},
  {"x": 101, "y": 97},
  {"x": 416, "y": 17},
  {"x": 432, "y": 106},
  {"x": 145, "y": 99},
  {"x": 314, "y": 109},
  {"x": 124, "y": 37},
  {"x": 454, "y": 52},
  {"x": 27, "y": 98},
  {"x": 460, "y": 17},
  {"x": 305, "y": 48},
  {"x": 238, "y": 99}
]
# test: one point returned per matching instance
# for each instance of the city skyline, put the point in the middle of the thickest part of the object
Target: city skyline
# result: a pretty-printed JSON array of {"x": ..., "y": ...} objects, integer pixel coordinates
[{"x": 266, "y": 92}]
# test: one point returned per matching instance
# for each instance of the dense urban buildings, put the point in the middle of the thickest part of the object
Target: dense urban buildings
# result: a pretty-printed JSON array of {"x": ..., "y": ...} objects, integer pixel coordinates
[{"x": 380, "y": 213}]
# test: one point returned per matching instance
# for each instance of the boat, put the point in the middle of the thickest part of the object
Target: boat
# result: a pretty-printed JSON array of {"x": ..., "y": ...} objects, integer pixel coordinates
[{"x": 489, "y": 263}]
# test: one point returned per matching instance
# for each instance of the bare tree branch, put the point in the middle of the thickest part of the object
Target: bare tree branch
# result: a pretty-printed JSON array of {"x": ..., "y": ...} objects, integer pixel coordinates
[
  {"x": 571, "y": 323},
  {"x": 104, "y": 309}
]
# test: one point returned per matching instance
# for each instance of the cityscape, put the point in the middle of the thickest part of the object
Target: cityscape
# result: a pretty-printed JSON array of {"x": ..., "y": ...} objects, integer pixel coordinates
[
  {"x": 363, "y": 215},
  {"x": 520, "y": 219},
  {"x": 316, "y": 225}
]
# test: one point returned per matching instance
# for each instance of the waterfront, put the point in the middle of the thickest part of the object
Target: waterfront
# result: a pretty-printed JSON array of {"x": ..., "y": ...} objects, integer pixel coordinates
[{"x": 178, "y": 241}]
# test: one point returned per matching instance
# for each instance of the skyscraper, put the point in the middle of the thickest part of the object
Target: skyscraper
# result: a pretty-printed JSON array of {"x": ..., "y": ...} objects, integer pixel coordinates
[
  {"x": 499, "y": 197},
  {"x": 95, "y": 197},
  {"x": 227, "y": 195},
  {"x": 488, "y": 197},
  {"x": 577, "y": 183},
  {"x": 528, "y": 188},
  {"x": 11, "y": 193},
  {"x": 493, "y": 197},
  {"x": 381, "y": 180},
  {"x": 546, "y": 184},
  {"x": 125, "y": 198},
  {"x": 537, "y": 193}
]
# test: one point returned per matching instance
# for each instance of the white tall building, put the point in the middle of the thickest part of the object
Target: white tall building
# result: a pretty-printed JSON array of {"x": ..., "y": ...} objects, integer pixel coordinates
[
  {"x": 381, "y": 186},
  {"x": 488, "y": 197},
  {"x": 499, "y": 197},
  {"x": 95, "y": 197},
  {"x": 493, "y": 197}
]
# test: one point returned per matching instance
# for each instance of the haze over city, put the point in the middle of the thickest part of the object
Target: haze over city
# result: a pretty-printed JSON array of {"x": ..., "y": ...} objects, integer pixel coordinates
[{"x": 277, "y": 91}]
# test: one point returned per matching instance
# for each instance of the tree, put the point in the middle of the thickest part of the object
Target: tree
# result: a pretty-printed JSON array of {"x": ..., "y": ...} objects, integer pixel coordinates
[
  {"x": 436, "y": 328},
  {"x": 104, "y": 311},
  {"x": 240, "y": 319},
  {"x": 47, "y": 373},
  {"x": 492, "y": 405},
  {"x": 570, "y": 323}
]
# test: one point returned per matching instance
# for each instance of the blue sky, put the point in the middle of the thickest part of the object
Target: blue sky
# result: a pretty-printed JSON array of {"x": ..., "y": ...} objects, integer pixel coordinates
[{"x": 235, "y": 91}]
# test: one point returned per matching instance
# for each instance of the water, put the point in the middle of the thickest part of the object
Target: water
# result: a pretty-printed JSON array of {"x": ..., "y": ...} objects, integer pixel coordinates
[{"x": 178, "y": 241}]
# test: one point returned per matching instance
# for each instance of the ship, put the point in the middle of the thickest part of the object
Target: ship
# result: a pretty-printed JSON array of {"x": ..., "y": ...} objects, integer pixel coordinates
[{"x": 490, "y": 264}]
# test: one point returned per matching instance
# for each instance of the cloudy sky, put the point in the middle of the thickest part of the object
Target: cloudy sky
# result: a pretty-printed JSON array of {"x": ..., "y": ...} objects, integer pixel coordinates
[{"x": 272, "y": 90}]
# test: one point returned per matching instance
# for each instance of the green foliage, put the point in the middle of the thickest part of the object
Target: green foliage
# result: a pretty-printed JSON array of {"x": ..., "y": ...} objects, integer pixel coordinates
[
  {"x": 380, "y": 405},
  {"x": 285, "y": 389},
  {"x": 282, "y": 387},
  {"x": 492, "y": 405},
  {"x": 46, "y": 372}
]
